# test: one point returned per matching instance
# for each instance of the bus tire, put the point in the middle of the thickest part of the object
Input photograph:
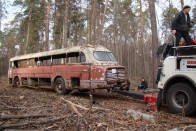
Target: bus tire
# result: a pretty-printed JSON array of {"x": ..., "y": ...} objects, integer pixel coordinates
[
  {"x": 16, "y": 82},
  {"x": 59, "y": 86},
  {"x": 175, "y": 95}
]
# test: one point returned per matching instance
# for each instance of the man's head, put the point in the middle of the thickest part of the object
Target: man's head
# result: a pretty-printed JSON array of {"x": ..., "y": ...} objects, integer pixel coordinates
[{"x": 186, "y": 9}]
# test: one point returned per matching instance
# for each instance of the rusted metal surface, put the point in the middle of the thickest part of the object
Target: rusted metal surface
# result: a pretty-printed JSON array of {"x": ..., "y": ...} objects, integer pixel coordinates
[{"x": 91, "y": 74}]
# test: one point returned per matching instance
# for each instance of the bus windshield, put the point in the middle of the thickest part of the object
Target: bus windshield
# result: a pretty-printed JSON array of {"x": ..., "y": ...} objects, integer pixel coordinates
[{"x": 104, "y": 56}]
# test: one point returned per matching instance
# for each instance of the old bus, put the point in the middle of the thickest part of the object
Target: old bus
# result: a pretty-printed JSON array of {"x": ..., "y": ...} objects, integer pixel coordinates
[{"x": 83, "y": 68}]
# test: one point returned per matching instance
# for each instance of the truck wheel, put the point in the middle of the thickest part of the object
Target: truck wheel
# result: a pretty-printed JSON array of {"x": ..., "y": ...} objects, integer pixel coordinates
[
  {"x": 159, "y": 100},
  {"x": 59, "y": 86},
  {"x": 175, "y": 96},
  {"x": 16, "y": 82}
]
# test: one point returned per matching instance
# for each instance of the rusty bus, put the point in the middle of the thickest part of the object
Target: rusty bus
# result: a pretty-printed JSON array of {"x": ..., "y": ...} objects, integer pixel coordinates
[{"x": 83, "y": 68}]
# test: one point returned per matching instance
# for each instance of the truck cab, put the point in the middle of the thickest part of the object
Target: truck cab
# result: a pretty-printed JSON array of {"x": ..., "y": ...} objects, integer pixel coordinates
[{"x": 177, "y": 82}]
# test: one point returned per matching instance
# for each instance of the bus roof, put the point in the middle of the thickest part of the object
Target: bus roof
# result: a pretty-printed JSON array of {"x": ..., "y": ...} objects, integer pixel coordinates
[{"x": 60, "y": 51}]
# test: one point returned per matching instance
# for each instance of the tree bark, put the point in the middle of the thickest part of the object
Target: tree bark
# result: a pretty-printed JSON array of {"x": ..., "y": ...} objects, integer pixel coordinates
[
  {"x": 154, "y": 39},
  {"x": 28, "y": 31},
  {"x": 0, "y": 13},
  {"x": 182, "y": 3},
  {"x": 102, "y": 23},
  {"x": 47, "y": 26},
  {"x": 65, "y": 24},
  {"x": 141, "y": 40}
]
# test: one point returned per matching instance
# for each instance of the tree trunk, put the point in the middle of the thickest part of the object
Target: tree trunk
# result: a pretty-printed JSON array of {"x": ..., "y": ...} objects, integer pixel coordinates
[
  {"x": 154, "y": 39},
  {"x": 55, "y": 23},
  {"x": 28, "y": 31},
  {"x": 141, "y": 41},
  {"x": 65, "y": 24},
  {"x": 115, "y": 30},
  {"x": 182, "y": 3},
  {"x": 0, "y": 14},
  {"x": 102, "y": 23},
  {"x": 47, "y": 26}
]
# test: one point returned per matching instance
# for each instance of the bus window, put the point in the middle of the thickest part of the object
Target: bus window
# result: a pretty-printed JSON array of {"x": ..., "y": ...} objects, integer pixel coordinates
[
  {"x": 39, "y": 63},
  {"x": 31, "y": 62},
  {"x": 22, "y": 63},
  {"x": 82, "y": 57},
  {"x": 46, "y": 61},
  {"x": 73, "y": 57},
  {"x": 12, "y": 65},
  {"x": 58, "y": 59},
  {"x": 15, "y": 64}
]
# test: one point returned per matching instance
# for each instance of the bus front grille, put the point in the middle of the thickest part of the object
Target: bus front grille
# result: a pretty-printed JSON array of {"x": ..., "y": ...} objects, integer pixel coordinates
[{"x": 115, "y": 75}]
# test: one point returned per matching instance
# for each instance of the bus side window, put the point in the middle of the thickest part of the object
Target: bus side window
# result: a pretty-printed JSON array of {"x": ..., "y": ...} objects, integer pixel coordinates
[
  {"x": 39, "y": 63},
  {"x": 12, "y": 65},
  {"x": 82, "y": 57},
  {"x": 32, "y": 62},
  {"x": 73, "y": 57},
  {"x": 15, "y": 65}
]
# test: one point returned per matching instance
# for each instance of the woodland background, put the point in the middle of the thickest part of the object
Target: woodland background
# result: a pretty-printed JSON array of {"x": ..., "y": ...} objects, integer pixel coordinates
[{"x": 129, "y": 28}]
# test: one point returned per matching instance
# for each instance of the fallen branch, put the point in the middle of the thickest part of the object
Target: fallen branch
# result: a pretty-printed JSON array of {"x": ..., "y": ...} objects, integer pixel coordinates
[
  {"x": 8, "y": 126},
  {"x": 12, "y": 107},
  {"x": 3, "y": 117},
  {"x": 75, "y": 110},
  {"x": 100, "y": 108},
  {"x": 101, "y": 124},
  {"x": 5, "y": 96},
  {"x": 79, "y": 106}
]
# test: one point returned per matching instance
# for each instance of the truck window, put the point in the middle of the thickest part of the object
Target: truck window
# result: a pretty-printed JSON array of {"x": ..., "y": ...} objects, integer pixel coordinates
[{"x": 104, "y": 56}]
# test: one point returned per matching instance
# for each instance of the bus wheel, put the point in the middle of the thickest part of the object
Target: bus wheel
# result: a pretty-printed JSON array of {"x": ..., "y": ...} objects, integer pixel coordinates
[
  {"x": 59, "y": 86},
  {"x": 181, "y": 99},
  {"x": 16, "y": 82}
]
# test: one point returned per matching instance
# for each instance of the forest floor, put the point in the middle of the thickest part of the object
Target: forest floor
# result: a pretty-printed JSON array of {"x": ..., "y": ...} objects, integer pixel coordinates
[{"x": 40, "y": 109}]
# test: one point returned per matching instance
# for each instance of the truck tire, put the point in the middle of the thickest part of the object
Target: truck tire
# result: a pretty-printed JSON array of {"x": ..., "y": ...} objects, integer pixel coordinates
[
  {"x": 59, "y": 86},
  {"x": 159, "y": 100},
  {"x": 175, "y": 95}
]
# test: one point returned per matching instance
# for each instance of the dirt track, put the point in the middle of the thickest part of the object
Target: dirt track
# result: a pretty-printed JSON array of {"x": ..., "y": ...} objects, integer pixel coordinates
[{"x": 41, "y": 109}]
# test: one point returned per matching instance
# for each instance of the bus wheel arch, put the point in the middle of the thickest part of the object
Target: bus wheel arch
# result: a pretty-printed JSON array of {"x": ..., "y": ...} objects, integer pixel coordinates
[
  {"x": 16, "y": 81},
  {"x": 59, "y": 86}
]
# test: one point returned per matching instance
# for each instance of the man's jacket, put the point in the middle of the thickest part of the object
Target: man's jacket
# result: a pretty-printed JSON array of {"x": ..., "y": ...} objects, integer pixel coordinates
[
  {"x": 144, "y": 83},
  {"x": 179, "y": 22}
]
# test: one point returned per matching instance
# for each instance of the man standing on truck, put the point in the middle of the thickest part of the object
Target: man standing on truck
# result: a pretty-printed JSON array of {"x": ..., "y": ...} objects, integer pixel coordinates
[{"x": 181, "y": 24}]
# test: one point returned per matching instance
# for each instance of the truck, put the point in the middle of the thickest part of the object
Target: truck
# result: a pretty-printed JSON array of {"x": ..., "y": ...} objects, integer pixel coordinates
[{"x": 177, "y": 81}]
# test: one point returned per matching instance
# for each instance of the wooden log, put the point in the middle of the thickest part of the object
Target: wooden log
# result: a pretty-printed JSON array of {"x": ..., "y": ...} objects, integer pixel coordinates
[
  {"x": 12, "y": 107},
  {"x": 3, "y": 117},
  {"x": 8, "y": 126}
]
